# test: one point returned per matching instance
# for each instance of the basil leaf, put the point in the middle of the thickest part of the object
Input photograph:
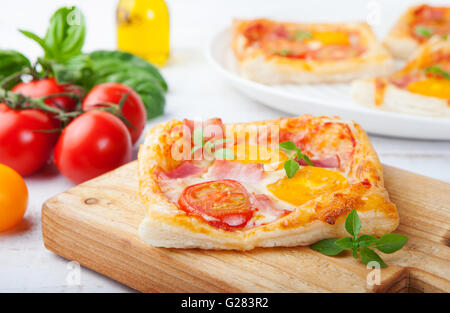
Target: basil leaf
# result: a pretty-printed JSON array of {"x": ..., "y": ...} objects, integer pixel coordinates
[
  {"x": 224, "y": 154},
  {"x": 353, "y": 223},
  {"x": 291, "y": 167},
  {"x": 423, "y": 31},
  {"x": 301, "y": 35},
  {"x": 65, "y": 35},
  {"x": 346, "y": 242},
  {"x": 390, "y": 243},
  {"x": 288, "y": 146},
  {"x": 77, "y": 70},
  {"x": 36, "y": 38},
  {"x": 12, "y": 62},
  {"x": 368, "y": 255},
  {"x": 283, "y": 52},
  {"x": 437, "y": 70},
  {"x": 327, "y": 247},
  {"x": 366, "y": 240},
  {"x": 137, "y": 73},
  {"x": 132, "y": 61},
  {"x": 300, "y": 155}
]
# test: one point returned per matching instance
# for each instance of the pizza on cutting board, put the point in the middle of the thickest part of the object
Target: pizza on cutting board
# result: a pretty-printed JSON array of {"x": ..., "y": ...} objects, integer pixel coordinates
[
  {"x": 227, "y": 186},
  {"x": 272, "y": 52},
  {"x": 422, "y": 87},
  {"x": 415, "y": 27}
]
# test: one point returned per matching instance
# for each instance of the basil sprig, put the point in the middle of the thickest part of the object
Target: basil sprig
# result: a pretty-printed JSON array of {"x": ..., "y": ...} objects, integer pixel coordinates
[
  {"x": 388, "y": 243},
  {"x": 12, "y": 63},
  {"x": 291, "y": 166},
  {"x": 437, "y": 71},
  {"x": 63, "y": 59},
  {"x": 200, "y": 143},
  {"x": 65, "y": 35}
]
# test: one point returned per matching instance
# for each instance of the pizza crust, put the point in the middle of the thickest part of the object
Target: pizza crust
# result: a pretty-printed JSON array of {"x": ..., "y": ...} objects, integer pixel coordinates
[
  {"x": 399, "y": 100},
  {"x": 399, "y": 41},
  {"x": 253, "y": 64},
  {"x": 167, "y": 226}
]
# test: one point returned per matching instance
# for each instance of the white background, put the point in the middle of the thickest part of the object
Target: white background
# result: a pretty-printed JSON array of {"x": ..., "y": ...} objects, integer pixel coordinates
[{"x": 195, "y": 91}]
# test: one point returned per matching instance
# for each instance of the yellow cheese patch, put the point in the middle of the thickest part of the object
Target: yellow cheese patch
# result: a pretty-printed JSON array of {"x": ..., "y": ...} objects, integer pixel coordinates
[
  {"x": 258, "y": 154},
  {"x": 432, "y": 87},
  {"x": 308, "y": 183},
  {"x": 331, "y": 38}
]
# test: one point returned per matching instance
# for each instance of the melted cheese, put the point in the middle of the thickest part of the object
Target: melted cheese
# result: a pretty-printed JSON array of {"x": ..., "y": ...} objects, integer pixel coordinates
[{"x": 432, "y": 87}]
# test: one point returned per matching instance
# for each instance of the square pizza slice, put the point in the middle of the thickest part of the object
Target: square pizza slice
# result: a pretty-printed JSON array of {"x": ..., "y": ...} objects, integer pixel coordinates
[
  {"x": 415, "y": 27},
  {"x": 422, "y": 87},
  {"x": 272, "y": 52},
  {"x": 227, "y": 186}
]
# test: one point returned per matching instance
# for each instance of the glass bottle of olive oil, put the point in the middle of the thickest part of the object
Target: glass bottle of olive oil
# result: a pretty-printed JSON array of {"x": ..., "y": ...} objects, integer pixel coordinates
[{"x": 143, "y": 29}]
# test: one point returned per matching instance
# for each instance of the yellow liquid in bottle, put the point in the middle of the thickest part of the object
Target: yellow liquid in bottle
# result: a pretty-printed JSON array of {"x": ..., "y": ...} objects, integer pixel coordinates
[{"x": 143, "y": 29}]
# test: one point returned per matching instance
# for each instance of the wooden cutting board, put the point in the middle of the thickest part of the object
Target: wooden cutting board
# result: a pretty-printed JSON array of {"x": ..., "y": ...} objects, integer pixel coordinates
[{"x": 96, "y": 223}]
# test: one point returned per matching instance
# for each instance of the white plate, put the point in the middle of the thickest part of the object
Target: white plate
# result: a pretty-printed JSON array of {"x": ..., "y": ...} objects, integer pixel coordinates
[{"x": 323, "y": 99}]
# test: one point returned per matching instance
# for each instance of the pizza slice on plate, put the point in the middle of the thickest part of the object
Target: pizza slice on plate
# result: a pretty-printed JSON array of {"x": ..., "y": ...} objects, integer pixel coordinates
[
  {"x": 273, "y": 52},
  {"x": 415, "y": 27},
  {"x": 215, "y": 186},
  {"x": 422, "y": 87}
]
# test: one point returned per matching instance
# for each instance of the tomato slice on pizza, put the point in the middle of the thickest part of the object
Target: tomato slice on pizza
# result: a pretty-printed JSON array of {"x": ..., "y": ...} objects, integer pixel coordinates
[{"x": 222, "y": 203}]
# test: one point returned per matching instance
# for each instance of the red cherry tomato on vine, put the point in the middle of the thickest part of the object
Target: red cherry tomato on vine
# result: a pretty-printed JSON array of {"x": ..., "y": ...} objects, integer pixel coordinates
[
  {"x": 45, "y": 87},
  {"x": 24, "y": 144},
  {"x": 133, "y": 109},
  {"x": 94, "y": 143},
  {"x": 49, "y": 86}
]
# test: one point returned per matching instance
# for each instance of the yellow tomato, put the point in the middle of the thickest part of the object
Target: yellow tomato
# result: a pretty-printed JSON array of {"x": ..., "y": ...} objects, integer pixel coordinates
[
  {"x": 331, "y": 38},
  {"x": 432, "y": 87},
  {"x": 13, "y": 198}
]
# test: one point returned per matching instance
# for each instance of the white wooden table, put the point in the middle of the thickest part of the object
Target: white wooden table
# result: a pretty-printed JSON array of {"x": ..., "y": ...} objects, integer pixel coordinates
[{"x": 196, "y": 91}]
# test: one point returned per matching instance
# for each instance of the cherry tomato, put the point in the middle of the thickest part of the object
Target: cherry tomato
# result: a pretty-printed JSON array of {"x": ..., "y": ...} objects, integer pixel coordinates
[
  {"x": 13, "y": 198},
  {"x": 226, "y": 203},
  {"x": 24, "y": 144},
  {"x": 94, "y": 143},
  {"x": 46, "y": 87},
  {"x": 133, "y": 109}
]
